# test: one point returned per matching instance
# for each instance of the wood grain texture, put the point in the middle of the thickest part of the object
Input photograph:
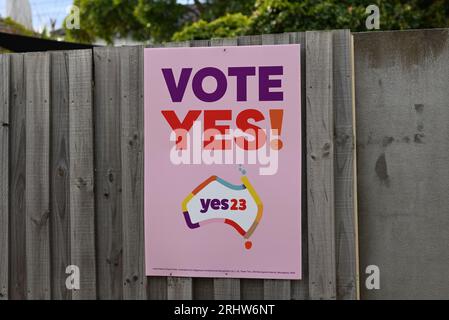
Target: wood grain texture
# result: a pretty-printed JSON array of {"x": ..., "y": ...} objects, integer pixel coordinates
[
  {"x": 279, "y": 38},
  {"x": 108, "y": 175},
  {"x": 223, "y": 42},
  {"x": 174, "y": 44},
  {"x": 4, "y": 177},
  {"x": 249, "y": 40},
  {"x": 345, "y": 242},
  {"x": 203, "y": 288},
  {"x": 17, "y": 263},
  {"x": 59, "y": 176},
  {"x": 37, "y": 190},
  {"x": 300, "y": 288},
  {"x": 402, "y": 101},
  {"x": 157, "y": 288},
  {"x": 179, "y": 288},
  {"x": 200, "y": 43},
  {"x": 320, "y": 165},
  {"x": 226, "y": 289},
  {"x": 277, "y": 289},
  {"x": 131, "y": 90},
  {"x": 81, "y": 139},
  {"x": 354, "y": 169}
]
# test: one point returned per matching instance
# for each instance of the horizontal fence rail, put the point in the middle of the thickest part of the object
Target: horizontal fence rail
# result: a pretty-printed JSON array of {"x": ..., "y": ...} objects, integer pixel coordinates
[{"x": 71, "y": 156}]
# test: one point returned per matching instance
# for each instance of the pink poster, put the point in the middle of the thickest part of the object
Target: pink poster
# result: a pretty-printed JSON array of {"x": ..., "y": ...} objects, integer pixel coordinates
[{"x": 223, "y": 162}]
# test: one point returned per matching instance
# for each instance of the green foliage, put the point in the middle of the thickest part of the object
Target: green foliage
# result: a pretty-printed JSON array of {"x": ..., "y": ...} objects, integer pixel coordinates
[
  {"x": 155, "y": 20},
  {"x": 273, "y": 16},
  {"x": 214, "y": 9},
  {"x": 82, "y": 35},
  {"x": 161, "y": 17},
  {"x": 107, "y": 19},
  {"x": 230, "y": 25},
  {"x": 16, "y": 27},
  {"x": 163, "y": 20}
]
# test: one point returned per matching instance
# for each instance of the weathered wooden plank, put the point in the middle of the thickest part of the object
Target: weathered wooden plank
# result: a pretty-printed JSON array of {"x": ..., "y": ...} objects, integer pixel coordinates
[
  {"x": 37, "y": 190},
  {"x": 402, "y": 152},
  {"x": 175, "y": 44},
  {"x": 223, "y": 42},
  {"x": 108, "y": 173},
  {"x": 320, "y": 165},
  {"x": 251, "y": 289},
  {"x": 277, "y": 290},
  {"x": 300, "y": 288},
  {"x": 226, "y": 289},
  {"x": 279, "y": 38},
  {"x": 354, "y": 168},
  {"x": 249, "y": 40},
  {"x": 345, "y": 246},
  {"x": 157, "y": 288},
  {"x": 82, "y": 213},
  {"x": 179, "y": 288},
  {"x": 4, "y": 176},
  {"x": 17, "y": 263},
  {"x": 203, "y": 288},
  {"x": 200, "y": 43},
  {"x": 59, "y": 175},
  {"x": 131, "y": 83}
]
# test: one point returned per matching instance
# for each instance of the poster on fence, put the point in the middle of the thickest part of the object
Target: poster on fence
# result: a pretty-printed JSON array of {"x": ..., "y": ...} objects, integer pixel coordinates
[{"x": 223, "y": 162}]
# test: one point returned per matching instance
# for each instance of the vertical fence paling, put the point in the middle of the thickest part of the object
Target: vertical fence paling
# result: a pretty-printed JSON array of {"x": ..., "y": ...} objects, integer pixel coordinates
[
  {"x": 60, "y": 127},
  {"x": 108, "y": 174},
  {"x": 59, "y": 172},
  {"x": 37, "y": 186},
  {"x": 17, "y": 231},
  {"x": 81, "y": 164},
  {"x": 71, "y": 172},
  {"x": 119, "y": 172},
  {"x": 320, "y": 166},
  {"x": 345, "y": 219},
  {"x": 131, "y": 66},
  {"x": 4, "y": 172}
]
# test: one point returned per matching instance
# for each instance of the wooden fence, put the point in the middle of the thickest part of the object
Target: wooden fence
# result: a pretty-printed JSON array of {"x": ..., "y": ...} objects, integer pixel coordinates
[{"x": 71, "y": 176}]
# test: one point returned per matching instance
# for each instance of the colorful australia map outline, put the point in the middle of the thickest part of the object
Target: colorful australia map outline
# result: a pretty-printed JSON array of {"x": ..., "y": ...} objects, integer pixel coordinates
[{"x": 246, "y": 185}]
